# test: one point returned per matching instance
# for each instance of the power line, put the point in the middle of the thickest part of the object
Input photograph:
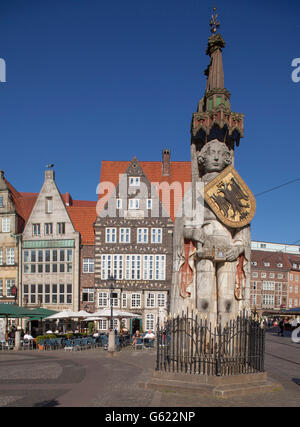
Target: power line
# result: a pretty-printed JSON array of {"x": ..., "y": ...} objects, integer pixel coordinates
[{"x": 275, "y": 188}]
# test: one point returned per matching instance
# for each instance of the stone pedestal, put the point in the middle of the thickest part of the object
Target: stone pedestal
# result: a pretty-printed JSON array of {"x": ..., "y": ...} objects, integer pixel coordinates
[
  {"x": 214, "y": 386},
  {"x": 111, "y": 341}
]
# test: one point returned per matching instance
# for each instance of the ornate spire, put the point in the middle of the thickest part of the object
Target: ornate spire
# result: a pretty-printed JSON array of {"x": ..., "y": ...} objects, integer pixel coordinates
[
  {"x": 214, "y": 118},
  {"x": 214, "y": 23}
]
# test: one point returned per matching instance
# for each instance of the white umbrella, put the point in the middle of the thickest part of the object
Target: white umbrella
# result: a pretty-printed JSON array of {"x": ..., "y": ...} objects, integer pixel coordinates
[
  {"x": 66, "y": 314},
  {"x": 81, "y": 313},
  {"x": 116, "y": 313},
  {"x": 91, "y": 319}
]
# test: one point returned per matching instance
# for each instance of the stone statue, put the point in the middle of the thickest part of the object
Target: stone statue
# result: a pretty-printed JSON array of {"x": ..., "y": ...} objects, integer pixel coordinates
[{"x": 212, "y": 264}]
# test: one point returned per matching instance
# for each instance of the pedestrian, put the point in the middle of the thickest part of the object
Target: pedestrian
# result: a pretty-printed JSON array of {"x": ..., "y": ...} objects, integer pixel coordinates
[{"x": 281, "y": 326}]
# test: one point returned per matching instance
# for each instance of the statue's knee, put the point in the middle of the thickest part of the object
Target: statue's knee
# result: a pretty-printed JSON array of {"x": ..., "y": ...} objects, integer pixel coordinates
[
  {"x": 228, "y": 306},
  {"x": 204, "y": 305}
]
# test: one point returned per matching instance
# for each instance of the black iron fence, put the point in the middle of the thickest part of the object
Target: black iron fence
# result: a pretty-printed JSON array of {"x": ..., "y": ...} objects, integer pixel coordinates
[{"x": 189, "y": 344}]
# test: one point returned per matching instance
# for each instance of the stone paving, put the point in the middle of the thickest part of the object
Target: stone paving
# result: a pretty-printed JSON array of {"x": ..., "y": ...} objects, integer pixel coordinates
[{"x": 94, "y": 378}]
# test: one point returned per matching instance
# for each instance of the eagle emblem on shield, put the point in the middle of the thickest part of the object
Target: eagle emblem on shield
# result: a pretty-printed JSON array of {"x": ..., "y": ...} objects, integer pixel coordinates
[{"x": 230, "y": 198}]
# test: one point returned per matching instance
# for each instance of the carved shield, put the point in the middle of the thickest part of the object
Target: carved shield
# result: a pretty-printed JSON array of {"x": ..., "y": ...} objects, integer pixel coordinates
[{"x": 230, "y": 198}]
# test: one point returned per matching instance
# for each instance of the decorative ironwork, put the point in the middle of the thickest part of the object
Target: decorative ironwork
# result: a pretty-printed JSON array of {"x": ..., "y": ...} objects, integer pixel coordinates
[
  {"x": 189, "y": 344},
  {"x": 214, "y": 23}
]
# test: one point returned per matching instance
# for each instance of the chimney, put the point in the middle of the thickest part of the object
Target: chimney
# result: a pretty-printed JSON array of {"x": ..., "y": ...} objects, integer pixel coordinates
[
  {"x": 166, "y": 164},
  {"x": 68, "y": 199}
]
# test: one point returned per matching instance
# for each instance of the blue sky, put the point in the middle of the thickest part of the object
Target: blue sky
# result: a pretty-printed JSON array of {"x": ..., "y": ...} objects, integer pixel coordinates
[{"x": 89, "y": 80}]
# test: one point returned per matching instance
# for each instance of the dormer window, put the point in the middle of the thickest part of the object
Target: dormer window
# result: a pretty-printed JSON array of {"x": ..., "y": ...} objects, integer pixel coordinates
[{"x": 134, "y": 181}]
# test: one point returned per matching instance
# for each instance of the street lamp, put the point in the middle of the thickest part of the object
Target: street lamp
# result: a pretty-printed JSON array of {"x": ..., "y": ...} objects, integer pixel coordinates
[{"x": 112, "y": 296}]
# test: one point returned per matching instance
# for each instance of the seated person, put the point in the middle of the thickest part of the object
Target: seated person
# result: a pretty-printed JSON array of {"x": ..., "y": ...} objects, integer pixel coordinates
[
  {"x": 149, "y": 334},
  {"x": 135, "y": 337},
  {"x": 27, "y": 336},
  {"x": 149, "y": 338}
]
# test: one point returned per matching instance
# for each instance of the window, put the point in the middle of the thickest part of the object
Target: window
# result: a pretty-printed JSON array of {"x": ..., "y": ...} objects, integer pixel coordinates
[
  {"x": 254, "y": 299},
  {"x": 263, "y": 245},
  {"x": 136, "y": 300},
  {"x": 88, "y": 265},
  {"x": 48, "y": 229},
  {"x": 279, "y": 286},
  {"x": 5, "y": 225},
  {"x": 49, "y": 205},
  {"x": 295, "y": 302},
  {"x": 291, "y": 289},
  {"x": 124, "y": 236},
  {"x": 272, "y": 276},
  {"x": 54, "y": 294},
  {"x": 142, "y": 235},
  {"x": 119, "y": 203},
  {"x": 280, "y": 276},
  {"x": 110, "y": 235},
  {"x": 279, "y": 300},
  {"x": 150, "y": 300},
  {"x": 156, "y": 235},
  {"x": 268, "y": 299},
  {"x": 161, "y": 300},
  {"x": 149, "y": 203},
  {"x": 102, "y": 324},
  {"x": 134, "y": 204},
  {"x": 254, "y": 286},
  {"x": 1, "y": 288},
  {"x": 9, "y": 284},
  {"x": 254, "y": 263},
  {"x": 290, "y": 303},
  {"x": 87, "y": 295},
  {"x": 255, "y": 274},
  {"x": 150, "y": 322},
  {"x": 133, "y": 267},
  {"x": 160, "y": 267},
  {"x": 61, "y": 228},
  {"x": 61, "y": 294},
  {"x": 268, "y": 286},
  {"x": 279, "y": 265},
  {"x": 296, "y": 289},
  {"x": 102, "y": 299},
  {"x": 1, "y": 201},
  {"x": 124, "y": 300},
  {"x": 1, "y": 256},
  {"x": 134, "y": 181},
  {"x": 266, "y": 264},
  {"x": 263, "y": 275},
  {"x": 69, "y": 293},
  {"x": 10, "y": 256},
  {"x": 36, "y": 229}
]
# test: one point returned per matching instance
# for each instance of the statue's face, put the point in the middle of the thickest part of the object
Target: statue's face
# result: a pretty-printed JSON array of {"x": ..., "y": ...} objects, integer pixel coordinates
[{"x": 217, "y": 157}]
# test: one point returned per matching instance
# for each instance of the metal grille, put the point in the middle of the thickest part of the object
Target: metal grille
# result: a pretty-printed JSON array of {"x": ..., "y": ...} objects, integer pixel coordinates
[{"x": 189, "y": 344}]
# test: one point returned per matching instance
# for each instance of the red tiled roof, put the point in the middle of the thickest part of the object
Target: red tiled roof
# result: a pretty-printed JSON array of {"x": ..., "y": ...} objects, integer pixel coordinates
[
  {"x": 179, "y": 172},
  {"x": 83, "y": 218},
  {"x": 273, "y": 258}
]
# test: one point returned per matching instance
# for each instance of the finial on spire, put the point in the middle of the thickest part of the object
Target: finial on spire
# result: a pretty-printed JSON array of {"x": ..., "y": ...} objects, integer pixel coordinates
[{"x": 214, "y": 23}]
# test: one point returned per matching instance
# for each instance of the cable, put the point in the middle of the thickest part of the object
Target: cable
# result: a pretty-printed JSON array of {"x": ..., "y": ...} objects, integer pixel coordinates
[{"x": 275, "y": 188}]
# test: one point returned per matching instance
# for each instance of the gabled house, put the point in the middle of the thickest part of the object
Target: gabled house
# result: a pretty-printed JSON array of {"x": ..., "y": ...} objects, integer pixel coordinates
[
  {"x": 49, "y": 267},
  {"x": 136, "y": 209}
]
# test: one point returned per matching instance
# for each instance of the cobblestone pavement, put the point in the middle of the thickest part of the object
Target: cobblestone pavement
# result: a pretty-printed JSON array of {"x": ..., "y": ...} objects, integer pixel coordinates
[{"x": 95, "y": 378}]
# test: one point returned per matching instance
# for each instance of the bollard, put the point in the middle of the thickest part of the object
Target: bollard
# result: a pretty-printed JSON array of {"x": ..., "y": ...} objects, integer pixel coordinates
[{"x": 17, "y": 340}]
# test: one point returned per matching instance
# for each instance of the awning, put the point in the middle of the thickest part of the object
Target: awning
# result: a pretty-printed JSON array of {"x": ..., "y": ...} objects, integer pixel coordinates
[{"x": 13, "y": 310}]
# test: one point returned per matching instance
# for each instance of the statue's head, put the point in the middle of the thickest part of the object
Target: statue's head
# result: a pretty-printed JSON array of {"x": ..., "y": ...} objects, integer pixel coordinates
[{"x": 214, "y": 156}]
